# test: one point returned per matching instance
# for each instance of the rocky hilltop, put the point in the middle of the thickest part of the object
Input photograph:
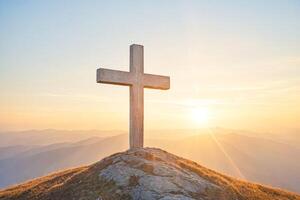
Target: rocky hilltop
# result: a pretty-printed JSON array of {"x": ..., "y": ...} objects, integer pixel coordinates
[{"x": 139, "y": 174}]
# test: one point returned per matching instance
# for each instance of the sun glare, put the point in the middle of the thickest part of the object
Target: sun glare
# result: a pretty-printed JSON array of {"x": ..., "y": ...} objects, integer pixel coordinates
[{"x": 200, "y": 115}]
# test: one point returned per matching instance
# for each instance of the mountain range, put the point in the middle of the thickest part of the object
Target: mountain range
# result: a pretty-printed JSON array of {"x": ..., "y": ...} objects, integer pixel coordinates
[{"x": 241, "y": 154}]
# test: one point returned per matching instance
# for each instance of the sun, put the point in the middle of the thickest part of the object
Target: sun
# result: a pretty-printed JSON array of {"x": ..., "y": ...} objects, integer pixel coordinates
[{"x": 200, "y": 115}]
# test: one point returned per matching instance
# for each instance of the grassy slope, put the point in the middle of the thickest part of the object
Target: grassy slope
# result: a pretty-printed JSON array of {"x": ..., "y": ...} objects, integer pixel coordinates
[{"x": 83, "y": 183}]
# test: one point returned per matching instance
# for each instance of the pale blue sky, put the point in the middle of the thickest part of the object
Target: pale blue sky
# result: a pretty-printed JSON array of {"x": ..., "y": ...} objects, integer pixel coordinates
[{"x": 239, "y": 59}]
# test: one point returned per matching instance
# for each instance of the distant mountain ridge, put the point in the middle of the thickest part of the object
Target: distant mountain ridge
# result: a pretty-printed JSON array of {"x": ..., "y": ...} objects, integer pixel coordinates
[
  {"x": 50, "y": 136},
  {"x": 233, "y": 153},
  {"x": 142, "y": 174}
]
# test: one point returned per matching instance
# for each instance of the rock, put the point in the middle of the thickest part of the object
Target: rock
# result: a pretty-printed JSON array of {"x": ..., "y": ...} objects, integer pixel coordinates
[{"x": 154, "y": 177}]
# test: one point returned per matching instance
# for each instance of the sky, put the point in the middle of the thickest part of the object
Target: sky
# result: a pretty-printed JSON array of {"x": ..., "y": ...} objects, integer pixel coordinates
[{"x": 233, "y": 64}]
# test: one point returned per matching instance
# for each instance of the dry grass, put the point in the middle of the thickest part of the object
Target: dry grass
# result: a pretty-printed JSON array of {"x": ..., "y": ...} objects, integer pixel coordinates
[{"x": 35, "y": 187}]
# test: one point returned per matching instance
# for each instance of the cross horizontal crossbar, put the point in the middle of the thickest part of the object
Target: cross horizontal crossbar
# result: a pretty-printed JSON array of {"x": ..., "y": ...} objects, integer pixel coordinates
[
  {"x": 156, "y": 82},
  {"x": 117, "y": 77}
]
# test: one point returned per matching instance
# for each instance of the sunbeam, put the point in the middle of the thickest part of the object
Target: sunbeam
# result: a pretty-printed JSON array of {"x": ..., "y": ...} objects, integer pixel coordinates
[{"x": 232, "y": 163}]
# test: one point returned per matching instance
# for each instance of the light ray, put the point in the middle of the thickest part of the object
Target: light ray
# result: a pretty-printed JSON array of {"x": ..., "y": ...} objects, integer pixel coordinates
[{"x": 232, "y": 163}]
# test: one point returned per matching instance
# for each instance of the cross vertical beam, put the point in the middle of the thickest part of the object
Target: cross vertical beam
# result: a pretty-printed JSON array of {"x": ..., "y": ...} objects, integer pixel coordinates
[{"x": 136, "y": 138}]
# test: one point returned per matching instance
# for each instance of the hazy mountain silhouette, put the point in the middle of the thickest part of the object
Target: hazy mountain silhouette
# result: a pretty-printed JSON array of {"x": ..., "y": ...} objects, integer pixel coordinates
[
  {"x": 50, "y": 136},
  {"x": 253, "y": 158},
  {"x": 40, "y": 161}
]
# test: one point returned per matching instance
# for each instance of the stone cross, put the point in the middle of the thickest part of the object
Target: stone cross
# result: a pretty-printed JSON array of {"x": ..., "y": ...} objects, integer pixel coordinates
[{"x": 137, "y": 81}]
